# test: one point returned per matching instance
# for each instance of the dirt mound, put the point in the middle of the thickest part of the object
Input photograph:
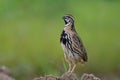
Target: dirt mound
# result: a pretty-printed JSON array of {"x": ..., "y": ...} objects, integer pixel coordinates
[
  {"x": 68, "y": 76},
  {"x": 5, "y": 74}
]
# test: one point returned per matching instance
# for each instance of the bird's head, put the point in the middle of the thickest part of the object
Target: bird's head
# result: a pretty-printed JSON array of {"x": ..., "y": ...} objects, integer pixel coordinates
[{"x": 69, "y": 20}]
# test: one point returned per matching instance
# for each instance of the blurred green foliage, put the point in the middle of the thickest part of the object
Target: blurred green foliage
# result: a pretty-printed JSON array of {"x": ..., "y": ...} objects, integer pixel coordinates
[{"x": 30, "y": 32}]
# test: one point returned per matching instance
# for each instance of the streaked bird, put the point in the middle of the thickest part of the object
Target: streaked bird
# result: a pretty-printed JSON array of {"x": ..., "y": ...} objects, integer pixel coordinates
[{"x": 74, "y": 50}]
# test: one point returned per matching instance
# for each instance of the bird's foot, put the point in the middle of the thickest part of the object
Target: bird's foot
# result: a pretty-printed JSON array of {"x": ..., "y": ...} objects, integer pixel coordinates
[
  {"x": 69, "y": 73},
  {"x": 69, "y": 76}
]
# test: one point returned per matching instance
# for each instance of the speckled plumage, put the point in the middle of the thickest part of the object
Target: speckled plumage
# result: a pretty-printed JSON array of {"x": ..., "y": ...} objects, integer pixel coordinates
[{"x": 72, "y": 45}]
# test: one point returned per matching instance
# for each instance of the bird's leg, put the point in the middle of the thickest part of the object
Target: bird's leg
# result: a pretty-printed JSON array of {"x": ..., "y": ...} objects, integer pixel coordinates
[
  {"x": 70, "y": 67},
  {"x": 73, "y": 68}
]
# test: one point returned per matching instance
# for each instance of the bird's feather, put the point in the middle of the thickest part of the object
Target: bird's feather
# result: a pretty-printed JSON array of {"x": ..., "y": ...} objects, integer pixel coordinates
[{"x": 79, "y": 47}]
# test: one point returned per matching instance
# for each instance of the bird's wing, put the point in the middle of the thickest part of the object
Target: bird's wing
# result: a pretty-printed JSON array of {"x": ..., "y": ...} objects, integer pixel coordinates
[{"x": 79, "y": 47}]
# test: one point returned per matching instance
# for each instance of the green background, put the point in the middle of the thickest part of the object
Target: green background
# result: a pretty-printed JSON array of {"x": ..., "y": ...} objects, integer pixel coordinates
[{"x": 30, "y": 32}]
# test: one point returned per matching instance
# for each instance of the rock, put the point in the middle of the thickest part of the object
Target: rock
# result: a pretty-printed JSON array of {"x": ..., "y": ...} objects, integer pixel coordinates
[
  {"x": 69, "y": 76},
  {"x": 5, "y": 73},
  {"x": 89, "y": 77}
]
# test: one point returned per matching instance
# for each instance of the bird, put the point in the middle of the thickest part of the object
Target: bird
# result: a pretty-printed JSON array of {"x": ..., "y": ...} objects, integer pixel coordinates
[{"x": 73, "y": 48}]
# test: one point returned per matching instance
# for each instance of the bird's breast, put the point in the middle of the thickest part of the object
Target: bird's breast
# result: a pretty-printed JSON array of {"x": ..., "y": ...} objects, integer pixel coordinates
[{"x": 63, "y": 38}]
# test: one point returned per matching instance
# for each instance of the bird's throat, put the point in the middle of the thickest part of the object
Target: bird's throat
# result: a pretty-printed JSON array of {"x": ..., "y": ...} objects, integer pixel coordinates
[{"x": 68, "y": 24}]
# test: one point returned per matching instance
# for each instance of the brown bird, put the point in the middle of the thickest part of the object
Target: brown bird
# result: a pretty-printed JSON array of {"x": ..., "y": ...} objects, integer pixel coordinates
[{"x": 74, "y": 50}]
